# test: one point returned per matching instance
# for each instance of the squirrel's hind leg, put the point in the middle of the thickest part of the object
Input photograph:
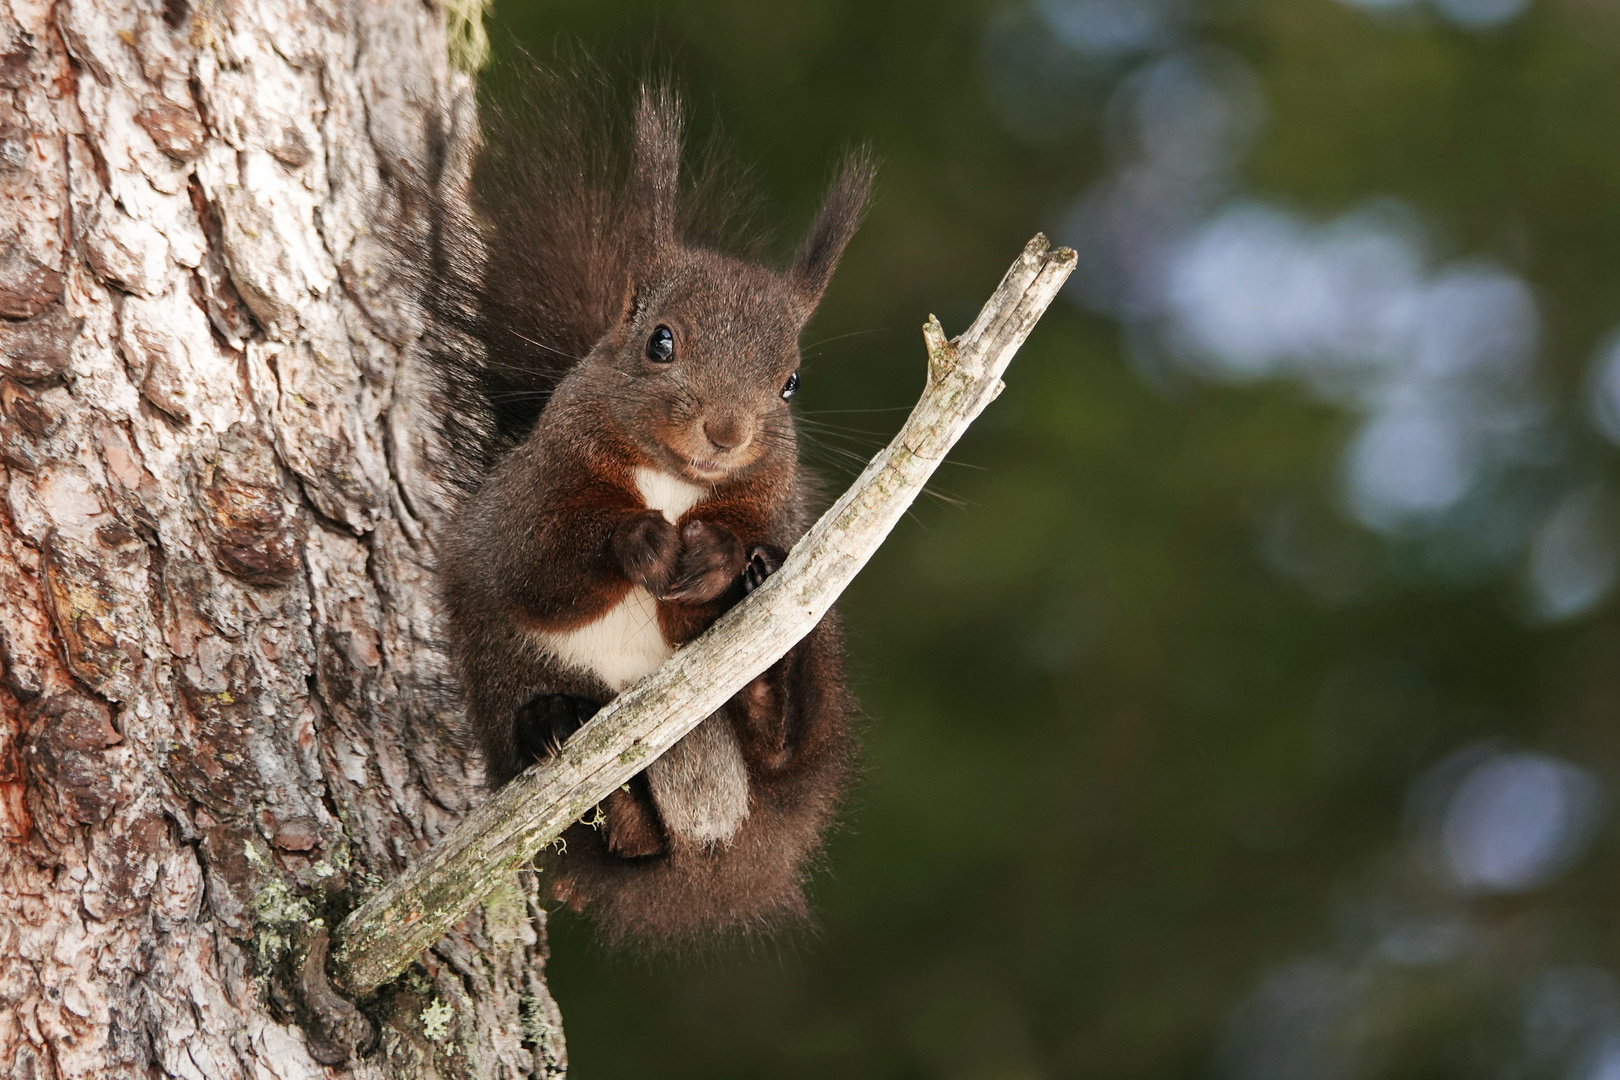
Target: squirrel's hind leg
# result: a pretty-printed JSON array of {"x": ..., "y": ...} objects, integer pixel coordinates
[
  {"x": 760, "y": 713},
  {"x": 760, "y": 709},
  {"x": 632, "y": 825},
  {"x": 628, "y": 818}
]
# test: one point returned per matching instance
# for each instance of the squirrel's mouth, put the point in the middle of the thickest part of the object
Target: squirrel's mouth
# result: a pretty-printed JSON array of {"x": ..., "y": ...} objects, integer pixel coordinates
[{"x": 708, "y": 470}]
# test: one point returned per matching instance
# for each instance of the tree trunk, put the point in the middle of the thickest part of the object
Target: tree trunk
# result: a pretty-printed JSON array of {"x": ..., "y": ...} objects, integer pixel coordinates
[{"x": 223, "y": 713}]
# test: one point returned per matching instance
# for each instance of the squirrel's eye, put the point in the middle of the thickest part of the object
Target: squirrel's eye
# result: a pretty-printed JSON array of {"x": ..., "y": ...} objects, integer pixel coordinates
[
  {"x": 661, "y": 346},
  {"x": 790, "y": 386}
]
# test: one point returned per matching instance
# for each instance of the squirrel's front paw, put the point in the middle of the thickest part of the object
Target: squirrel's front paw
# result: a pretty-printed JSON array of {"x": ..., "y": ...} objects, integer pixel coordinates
[
  {"x": 543, "y": 724},
  {"x": 711, "y": 559},
  {"x": 763, "y": 561},
  {"x": 648, "y": 549}
]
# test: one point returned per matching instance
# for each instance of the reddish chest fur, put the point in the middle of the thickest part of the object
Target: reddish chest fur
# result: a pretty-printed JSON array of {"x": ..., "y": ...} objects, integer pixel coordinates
[{"x": 621, "y": 633}]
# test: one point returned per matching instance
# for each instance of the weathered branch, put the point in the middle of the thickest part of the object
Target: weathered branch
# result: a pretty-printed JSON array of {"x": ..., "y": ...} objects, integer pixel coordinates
[{"x": 384, "y": 935}]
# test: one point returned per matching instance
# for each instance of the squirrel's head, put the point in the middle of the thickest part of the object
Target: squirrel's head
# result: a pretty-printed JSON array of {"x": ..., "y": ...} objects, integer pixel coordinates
[{"x": 699, "y": 369}]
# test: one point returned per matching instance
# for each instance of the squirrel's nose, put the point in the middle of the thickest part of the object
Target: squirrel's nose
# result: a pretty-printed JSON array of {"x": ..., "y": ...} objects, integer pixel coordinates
[{"x": 726, "y": 433}]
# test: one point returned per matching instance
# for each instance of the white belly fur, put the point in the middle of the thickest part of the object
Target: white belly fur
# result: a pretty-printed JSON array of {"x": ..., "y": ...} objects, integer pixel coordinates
[
  {"x": 620, "y": 647},
  {"x": 625, "y": 644}
]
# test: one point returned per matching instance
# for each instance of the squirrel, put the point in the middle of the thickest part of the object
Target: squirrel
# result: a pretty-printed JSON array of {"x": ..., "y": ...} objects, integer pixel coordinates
[{"x": 614, "y": 367}]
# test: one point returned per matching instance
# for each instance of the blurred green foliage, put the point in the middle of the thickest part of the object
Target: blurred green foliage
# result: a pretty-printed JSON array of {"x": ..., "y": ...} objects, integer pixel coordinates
[{"x": 1118, "y": 767}]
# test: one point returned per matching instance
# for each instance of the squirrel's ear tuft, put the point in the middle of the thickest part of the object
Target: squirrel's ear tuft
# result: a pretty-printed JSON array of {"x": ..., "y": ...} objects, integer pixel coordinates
[
  {"x": 840, "y": 213},
  {"x": 657, "y": 180}
]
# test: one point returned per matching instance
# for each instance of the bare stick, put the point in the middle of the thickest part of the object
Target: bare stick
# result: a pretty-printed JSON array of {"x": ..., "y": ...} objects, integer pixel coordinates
[{"x": 392, "y": 929}]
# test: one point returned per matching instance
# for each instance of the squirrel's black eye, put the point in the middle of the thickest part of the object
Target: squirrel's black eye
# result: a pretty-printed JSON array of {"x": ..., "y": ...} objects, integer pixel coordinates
[
  {"x": 661, "y": 346},
  {"x": 790, "y": 386}
]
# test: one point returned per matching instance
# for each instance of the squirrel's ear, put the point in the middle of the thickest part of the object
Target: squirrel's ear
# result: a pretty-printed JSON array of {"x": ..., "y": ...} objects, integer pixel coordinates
[
  {"x": 657, "y": 177},
  {"x": 840, "y": 213}
]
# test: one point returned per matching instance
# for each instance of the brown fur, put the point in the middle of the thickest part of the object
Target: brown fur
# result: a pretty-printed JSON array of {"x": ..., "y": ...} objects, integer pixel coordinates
[
  {"x": 755, "y": 884},
  {"x": 589, "y": 246}
]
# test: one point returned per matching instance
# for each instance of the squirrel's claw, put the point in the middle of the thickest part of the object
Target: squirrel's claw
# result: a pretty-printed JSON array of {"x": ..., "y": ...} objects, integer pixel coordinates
[
  {"x": 697, "y": 586},
  {"x": 544, "y": 723},
  {"x": 763, "y": 561}
]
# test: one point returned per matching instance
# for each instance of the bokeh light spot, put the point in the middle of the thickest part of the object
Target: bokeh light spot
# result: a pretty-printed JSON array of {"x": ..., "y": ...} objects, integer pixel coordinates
[
  {"x": 1514, "y": 821},
  {"x": 1482, "y": 14},
  {"x": 1469, "y": 14},
  {"x": 1407, "y": 464},
  {"x": 1603, "y": 391},
  {"x": 1107, "y": 27},
  {"x": 1574, "y": 558}
]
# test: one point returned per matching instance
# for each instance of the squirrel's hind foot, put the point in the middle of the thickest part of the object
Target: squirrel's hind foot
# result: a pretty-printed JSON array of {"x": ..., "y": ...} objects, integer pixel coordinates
[
  {"x": 629, "y": 823},
  {"x": 632, "y": 825}
]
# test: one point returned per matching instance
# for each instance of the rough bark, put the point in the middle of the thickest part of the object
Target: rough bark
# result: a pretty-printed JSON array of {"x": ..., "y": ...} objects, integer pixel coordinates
[{"x": 218, "y": 719}]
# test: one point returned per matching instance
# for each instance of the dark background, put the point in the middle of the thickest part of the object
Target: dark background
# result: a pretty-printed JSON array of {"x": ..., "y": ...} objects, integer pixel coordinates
[{"x": 1246, "y": 703}]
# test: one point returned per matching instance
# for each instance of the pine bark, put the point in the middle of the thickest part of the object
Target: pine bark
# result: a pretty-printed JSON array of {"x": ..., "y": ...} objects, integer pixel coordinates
[{"x": 223, "y": 713}]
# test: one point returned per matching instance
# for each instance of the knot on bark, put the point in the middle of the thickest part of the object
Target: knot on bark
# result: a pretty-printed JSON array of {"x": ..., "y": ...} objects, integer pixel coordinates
[{"x": 336, "y": 1030}]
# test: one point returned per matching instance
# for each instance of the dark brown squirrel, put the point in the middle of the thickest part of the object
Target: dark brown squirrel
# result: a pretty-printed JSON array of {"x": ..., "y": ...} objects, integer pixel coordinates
[{"x": 616, "y": 391}]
